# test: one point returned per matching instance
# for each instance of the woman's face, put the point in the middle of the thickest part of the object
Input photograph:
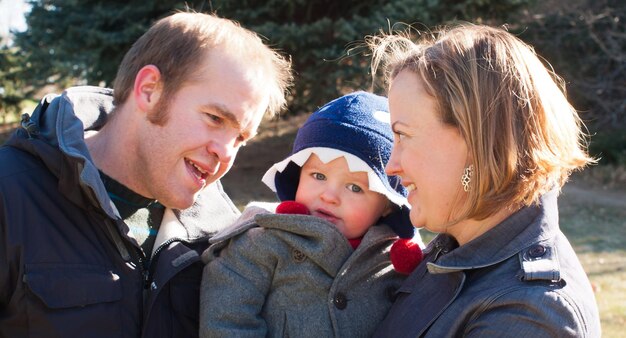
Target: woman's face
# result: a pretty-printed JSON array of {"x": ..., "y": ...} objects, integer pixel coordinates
[{"x": 429, "y": 155}]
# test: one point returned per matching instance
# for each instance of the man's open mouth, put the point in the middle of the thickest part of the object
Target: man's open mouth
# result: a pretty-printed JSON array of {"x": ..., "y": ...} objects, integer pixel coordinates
[{"x": 200, "y": 173}]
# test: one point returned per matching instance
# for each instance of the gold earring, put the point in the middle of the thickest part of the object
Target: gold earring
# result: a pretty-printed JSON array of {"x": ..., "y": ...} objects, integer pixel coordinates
[{"x": 466, "y": 178}]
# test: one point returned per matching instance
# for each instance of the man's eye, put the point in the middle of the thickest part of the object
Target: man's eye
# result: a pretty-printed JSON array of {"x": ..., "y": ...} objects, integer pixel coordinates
[
  {"x": 318, "y": 176},
  {"x": 214, "y": 118},
  {"x": 354, "y": 188}
]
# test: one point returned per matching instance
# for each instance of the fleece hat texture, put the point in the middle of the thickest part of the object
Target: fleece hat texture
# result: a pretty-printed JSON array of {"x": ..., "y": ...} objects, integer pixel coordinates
[{"x": 355, "y": 126}]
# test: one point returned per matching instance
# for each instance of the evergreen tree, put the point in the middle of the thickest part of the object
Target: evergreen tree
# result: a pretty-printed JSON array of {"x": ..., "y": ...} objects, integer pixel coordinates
[
  {"x": 323, "y": 36},
  {"x": 86, "y": 40}
]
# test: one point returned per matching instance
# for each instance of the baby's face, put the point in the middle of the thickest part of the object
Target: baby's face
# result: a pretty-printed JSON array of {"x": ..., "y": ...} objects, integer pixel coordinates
[{"x": 331, "y": 191}]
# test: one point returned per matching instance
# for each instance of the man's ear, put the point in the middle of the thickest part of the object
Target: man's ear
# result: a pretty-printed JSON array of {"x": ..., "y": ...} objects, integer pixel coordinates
[{"x": 147, "y": 89}]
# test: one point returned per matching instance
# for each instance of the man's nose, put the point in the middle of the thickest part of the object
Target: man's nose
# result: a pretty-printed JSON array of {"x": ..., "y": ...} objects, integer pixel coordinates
[{"x": 224, "y": 146}]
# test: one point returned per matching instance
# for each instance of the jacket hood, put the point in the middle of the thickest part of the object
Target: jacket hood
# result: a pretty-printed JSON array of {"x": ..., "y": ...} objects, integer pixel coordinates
[{"x": 59, "y": 123}]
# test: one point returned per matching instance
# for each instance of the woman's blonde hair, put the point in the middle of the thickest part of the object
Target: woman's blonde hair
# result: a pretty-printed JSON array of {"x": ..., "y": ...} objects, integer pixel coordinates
[{"x": 523, "y": 136}]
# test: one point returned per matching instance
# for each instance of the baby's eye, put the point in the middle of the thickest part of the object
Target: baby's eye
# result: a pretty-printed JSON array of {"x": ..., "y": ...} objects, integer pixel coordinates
[
  {"x": 354, "y": 188},
  {"x": 319, "y": 176}
]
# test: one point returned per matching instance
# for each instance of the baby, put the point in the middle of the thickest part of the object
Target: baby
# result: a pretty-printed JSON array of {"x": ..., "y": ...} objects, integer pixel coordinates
[{"x": 320, "y": 265}]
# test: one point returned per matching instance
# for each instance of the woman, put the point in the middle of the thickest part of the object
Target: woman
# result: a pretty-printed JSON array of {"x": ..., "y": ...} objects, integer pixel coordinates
[{"x": 484, "y": 140}]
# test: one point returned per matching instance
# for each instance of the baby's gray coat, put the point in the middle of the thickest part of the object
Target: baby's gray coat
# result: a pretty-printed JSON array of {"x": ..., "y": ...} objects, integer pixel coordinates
[{"x": 297, "y": 276}]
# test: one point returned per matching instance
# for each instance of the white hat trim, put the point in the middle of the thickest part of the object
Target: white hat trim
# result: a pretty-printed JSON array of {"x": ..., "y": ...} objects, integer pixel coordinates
[{"x": 326, "y": 155}]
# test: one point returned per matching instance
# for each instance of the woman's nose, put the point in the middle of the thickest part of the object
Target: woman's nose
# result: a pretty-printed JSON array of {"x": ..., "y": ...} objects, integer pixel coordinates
[{"x": 393, "y": 167}]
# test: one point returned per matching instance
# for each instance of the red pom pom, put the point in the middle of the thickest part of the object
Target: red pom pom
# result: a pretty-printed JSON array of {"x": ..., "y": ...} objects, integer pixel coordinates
[
  {"x": 405, "y": 256},
  {"x": 292, "y": 207}
]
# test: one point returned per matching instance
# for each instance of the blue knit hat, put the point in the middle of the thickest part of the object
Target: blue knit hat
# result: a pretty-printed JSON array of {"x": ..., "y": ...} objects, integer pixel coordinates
[{"x": 355, "y": 126}]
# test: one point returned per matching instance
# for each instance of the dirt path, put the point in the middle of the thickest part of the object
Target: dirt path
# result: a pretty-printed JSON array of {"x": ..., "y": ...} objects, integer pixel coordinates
[
  {"x": 582, "y": 193},
  {"x": 8, "y": 127}
]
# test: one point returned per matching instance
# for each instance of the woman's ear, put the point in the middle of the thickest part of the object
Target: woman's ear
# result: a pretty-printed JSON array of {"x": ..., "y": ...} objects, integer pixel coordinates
[{"x": 148, "y": 87}]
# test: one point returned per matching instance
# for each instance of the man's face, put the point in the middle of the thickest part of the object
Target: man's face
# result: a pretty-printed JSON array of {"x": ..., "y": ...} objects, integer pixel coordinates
[{"x": 208, "y": 120}]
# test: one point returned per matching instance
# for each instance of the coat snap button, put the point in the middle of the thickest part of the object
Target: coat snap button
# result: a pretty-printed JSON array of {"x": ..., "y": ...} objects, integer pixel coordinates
[
  {"x": 537, "y": 251},
  {"x": 298, "y": 255},
  {"x": 340, "y": 301}
]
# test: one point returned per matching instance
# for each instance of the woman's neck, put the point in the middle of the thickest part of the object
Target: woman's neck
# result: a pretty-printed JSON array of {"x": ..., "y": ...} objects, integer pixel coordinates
[{"x": 467, "y": 230}]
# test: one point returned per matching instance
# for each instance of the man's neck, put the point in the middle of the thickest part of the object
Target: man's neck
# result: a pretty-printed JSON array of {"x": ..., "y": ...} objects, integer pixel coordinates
[{"x": 112, "y": 149}]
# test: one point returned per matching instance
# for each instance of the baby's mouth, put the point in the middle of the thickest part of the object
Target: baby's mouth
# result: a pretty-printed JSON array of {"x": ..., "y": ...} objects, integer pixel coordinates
[{"x": 325, "y": 215}]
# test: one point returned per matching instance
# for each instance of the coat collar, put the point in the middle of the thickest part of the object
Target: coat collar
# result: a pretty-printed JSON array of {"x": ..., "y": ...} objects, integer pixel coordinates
[
  {"x": 322, "y": 239},
  {"x": 527, "y": 226},
  {"x": 312, "y": 236}
]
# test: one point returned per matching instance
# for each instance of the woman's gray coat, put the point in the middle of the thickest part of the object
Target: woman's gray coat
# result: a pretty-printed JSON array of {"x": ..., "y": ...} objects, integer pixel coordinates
[
  {"x": 281, "y": 275},
  {"x": 519, "y": 279}
]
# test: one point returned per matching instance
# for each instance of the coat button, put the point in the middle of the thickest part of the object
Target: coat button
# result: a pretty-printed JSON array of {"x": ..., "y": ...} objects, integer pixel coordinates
[
  {"x": 298, "y": 255},
  {"x": 537, "y": 251},
  {"x": 340, "y": 301}
]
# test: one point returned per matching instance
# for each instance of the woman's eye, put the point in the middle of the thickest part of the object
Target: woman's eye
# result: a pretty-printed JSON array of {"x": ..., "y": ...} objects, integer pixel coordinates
[
  {"x": 354, "y": 188},
  {"x": 318, "y": 176}
]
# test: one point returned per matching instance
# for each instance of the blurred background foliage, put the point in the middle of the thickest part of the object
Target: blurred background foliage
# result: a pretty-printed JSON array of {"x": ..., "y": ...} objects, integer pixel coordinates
[
  {"x": 77, "y": 42},
  {"x": 11, "y": 83}
]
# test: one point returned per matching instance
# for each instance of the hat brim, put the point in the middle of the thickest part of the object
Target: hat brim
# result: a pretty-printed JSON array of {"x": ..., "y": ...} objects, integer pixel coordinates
[{"x": 326, "y": 155}]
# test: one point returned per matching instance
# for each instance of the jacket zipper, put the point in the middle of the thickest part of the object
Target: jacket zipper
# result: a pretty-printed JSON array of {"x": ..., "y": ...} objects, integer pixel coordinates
[
  {"x": 149, "y": 270},
  {"x": 143, "y": 268},
  {"x": 126, "y": 254}
]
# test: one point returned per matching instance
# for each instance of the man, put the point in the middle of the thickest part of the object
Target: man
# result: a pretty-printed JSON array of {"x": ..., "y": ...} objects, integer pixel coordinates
[{"x": 108, "y": 198}]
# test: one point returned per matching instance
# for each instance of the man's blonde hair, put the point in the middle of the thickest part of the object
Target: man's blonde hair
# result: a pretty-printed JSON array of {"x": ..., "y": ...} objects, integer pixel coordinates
[
  {"x": 178, "y": 46},
  {"x": 523, "y": 136}
]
